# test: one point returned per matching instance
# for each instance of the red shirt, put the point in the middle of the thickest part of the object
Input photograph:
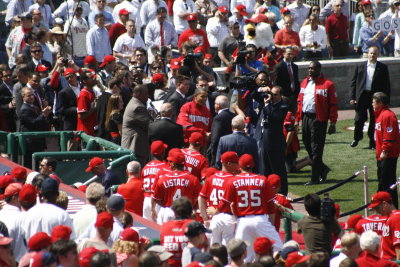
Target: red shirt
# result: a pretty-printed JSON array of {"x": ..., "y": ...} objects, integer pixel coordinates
[
  {"x": 367, "y": 259},
  {"x": 172, "y": 237},
  {"x": 150, "y": 174},
  {"x": 85, "y": 99},
  {"x": 391, "y": 236},
  {"x": 194, "y": 162},
  {"x": 198, "y": 37},
  {"x": 285, "y": 37},
  {"x": 176, "y": 184},
  {"x": 251, "y": 194},
  {"x": 133, "y": 194},
  {"x": 373, "y": 222},
  {"x": 337, "y": 27},
  {"x": 213, "y": 189},
  {"x": 387, "y": 135},
  {"x": 288, "y": 124}
]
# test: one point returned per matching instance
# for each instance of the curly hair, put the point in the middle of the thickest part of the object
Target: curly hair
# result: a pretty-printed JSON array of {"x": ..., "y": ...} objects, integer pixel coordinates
[{"x": 128, "y": 247}]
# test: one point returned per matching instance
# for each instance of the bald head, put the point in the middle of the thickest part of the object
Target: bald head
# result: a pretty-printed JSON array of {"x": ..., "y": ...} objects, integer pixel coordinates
[
  {"x": 133, "y": 168},
  {"x": 221, "y": 102},
  {"x": 238, "y": 123},
  {"x": 166, "y": 110}
]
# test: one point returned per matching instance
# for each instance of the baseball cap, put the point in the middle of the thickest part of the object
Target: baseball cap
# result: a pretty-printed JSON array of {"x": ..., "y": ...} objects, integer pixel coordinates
[
  {"x": 61, "y": 232},
  {"x": 195, "y": 228},
  {"x": 49, "y": 185},
  {"x": 41, "y": 68},
  {"x": 94, "y": 162},
  {"x": 161, "y": 251},
  {"x": 223, "y": 9},
  {"x": 123, "y": 11},
  {"x": 236, "y": 247},
  {"x": 208, "y": 56},
  {"x": 12, "y": 189},
  {"x": 69, "y": 71},
  {"x": 43, "y": 258},
  {"x": 86, "y": 255},
  {"x": 129, "y": 234},
  {"x": 107, "y": 59},
  {"x": 158, "y": 147},
  {"x": 246, "y": 161},
  {"x": 58, "y": 20},
  {"x": 89, "y": 60},
  {"x": 352, "y": 221},
  {"x": 157, "y": 78},
  {"x": 207, "y": 172},
  {"x": 39, "y": 241},
  {"x": 295, "y": 258},
  {"x": 176, "y": 156},
  {"x": 199, "y": 49},
  {"x": 5, "y": 180},
  {"x": 274, "y": 180},
  {"x": 19, "y": 173},
  {"x": 175, "y": 63},
  {"x": 27, "y": 194},
  {"x": 115, "y": 202},
  {"x": 26, "y": 15},
  {"x": 4, "y": 240},
  {"x": 257, "y": 19},
  {"x": 365, "y": 2},
  {"x": 287, "y": 250},
  {"x": 196, "y": 138},
  {"x": 284, "y": 10},
  {"x": 191, "y": 17},
  {"x": 104, "y": 220},
  {"x": 229, "y": 156},
  {"x": 241, "y": 9},
  {"x": 262, "y": 245},
  {"x": 379, "y": 198},
  {"x": 392, "y": 2}
]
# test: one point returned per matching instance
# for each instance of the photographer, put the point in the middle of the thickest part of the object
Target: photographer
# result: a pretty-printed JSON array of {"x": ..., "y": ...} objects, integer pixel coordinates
[
  {"x": 192, "y": 59},
  {"x": 247, "y": 64}
]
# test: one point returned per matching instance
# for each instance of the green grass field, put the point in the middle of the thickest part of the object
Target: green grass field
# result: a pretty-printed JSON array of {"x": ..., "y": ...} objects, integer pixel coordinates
[{"x": 344, "y": 161}]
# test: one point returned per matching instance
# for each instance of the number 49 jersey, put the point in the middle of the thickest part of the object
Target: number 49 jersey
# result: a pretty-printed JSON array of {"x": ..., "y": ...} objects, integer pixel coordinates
[
  {"x": 251, "y": 194},
  {"x": 176, "y": 184},
  {"x": 213, "y": 188}
]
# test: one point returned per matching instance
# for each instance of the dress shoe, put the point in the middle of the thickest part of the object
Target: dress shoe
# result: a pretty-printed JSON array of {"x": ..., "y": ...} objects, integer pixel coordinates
[
  {"x": 372, "y": 145},
  {"x": 324, "y": 175},
  {"x": 311, "y": 183},
  {"x": 354, "y": 143}
]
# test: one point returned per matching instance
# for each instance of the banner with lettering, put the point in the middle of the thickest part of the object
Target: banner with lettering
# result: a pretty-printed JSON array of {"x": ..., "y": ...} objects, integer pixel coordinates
[{"x": 386, "y": 24}]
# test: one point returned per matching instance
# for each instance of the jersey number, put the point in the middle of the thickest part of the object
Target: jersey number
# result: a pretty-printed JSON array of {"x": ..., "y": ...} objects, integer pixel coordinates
[
  {"x": 254, "y": 198},
  {"x": 216, "y": 195},
  {"x": 147, "y": 182},
  {"x": 178, "y": 194}
]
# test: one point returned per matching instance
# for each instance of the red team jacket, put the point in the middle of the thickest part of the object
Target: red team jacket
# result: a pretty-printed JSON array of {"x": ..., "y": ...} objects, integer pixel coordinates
[
  {"x": 391, "y": 236},
  {"x": 213, "y": 190},
  {"x": 326, "y": 103},
  {"x": 194, "y": 162},
  {"x": 387, "y": 135}
]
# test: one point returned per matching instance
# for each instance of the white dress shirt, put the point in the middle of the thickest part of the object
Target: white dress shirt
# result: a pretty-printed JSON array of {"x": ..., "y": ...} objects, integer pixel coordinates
[
  {"x": 299, "y": 13},
  {"x": 370, "y": 74},
  {"x": 45, "y": 10},
  {"x": 181, "y": 6},
  {"x": 152, "y": 37},
  {"x": 308, "y": 36},
  {"x": 98, "y": 43},
  {"x": 134, "y": 9},
  {"x": 16, "y": 7},
  {"x": 67, "y": 8},
  {"x": 148, "y": 11},
  {"x": 216, "y": 31},
  {"x": 309, "y": 97}
]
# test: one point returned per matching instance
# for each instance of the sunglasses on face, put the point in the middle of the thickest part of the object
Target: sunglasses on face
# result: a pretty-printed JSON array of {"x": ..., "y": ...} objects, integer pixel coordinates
[{"x": 36, "y": 51}]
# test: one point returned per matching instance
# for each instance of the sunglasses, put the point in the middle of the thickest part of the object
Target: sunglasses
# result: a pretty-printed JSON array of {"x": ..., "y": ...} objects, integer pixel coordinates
[
  {"x": 157, "y": 67},
  {"x": 36, "y": 51},
  {"x": 339, "y": 5},
  {"x": 237, "y": 27},
  {"x": 315, "y": 9}
]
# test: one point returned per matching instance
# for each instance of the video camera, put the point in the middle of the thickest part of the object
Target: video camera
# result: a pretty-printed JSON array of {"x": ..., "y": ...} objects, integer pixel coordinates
[
  {"x": 191, "y": 57},
  {"x": 245, "y": 81},
  {"x": 242, "y": 53},
  {"x": 327, "y": 208}
]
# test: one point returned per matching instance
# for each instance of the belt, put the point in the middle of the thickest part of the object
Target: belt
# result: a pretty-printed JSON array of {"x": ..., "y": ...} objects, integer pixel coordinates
[
  {"x": 251, "y": 215},
  {"x": 309, "y": 114}
]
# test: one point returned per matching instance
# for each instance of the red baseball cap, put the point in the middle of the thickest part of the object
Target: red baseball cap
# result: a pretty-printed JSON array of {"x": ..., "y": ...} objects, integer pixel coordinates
[
  {"x": 43, "y": 258},
  {"x": 104, "y": 220},
  {"x": 5, "y": 180},
  {"x": 107, "y": 59},
  {"x": 129, "y": 234},
  {"x": 262, "y": 10},
  {"x": 176, "y": 156},
  {"x": 284, "y": 10},
  {"x": 295, "y": 258},
  {"x": 379, "y": 198},
  {"x": 89, "y": 60},
  {"x": 61, "y": 232},
  {"x": 208, "y": 172},
  {"x": 94, "y": 162},
  {"x": 124, "y": 11},
  {"x": 200, "y": 49},
  {"x": 41, "y": 68},
  {"x": 223, "y": 9},
  {"x": 257, "y": 19},
  {"x": 365, "y": 2},
  {"x": 230, "y": 156},
  {"x": 208, "y": 56},
  {"x": 157, "y": 78},
  {"x": 191, "y": 17},
  {"x": 274, "y": 180},
  {"x": 352, "y": 221},
  {"x": 12, "y": 189},
  {"x": 158, "y": 147},
  {"x": 69, "y": 71},
  {"x": 241, "y": 9},
  {"x": 19, "y": 173},
  {"x": 27, "y": 194},
  {"x": 196, "y": 138},
  {"x": 39, "y": 241},
  {"x": 82, "y": 188},
  {"x": 246, "y": 161},
  {"x": 262, "y": 245},
  {"x": 175, "y": 64},
  {"x": 86, "y": 255}
]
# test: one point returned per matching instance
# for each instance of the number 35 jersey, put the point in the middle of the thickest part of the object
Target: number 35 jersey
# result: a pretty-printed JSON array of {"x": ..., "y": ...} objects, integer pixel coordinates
[
  {"x": 213, "y": 189},
  {"x": 251, "y": 194}
]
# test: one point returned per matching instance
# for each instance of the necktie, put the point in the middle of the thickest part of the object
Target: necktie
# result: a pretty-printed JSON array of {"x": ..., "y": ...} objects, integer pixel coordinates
[
  {"x": 162, "y": 34},
  {"x": 290, "y": 76},
  {"x": 38, "y": 100}
]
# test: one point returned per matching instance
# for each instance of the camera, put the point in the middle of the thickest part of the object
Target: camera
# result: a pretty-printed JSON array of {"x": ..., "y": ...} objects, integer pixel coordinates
[
  {"x": 266, "y": 94},
  {"x": 245, "y": 81},
  {"x": 327, "y": 208},
  {"x": 242, "y": 53},
  {"x": 65, "y": 61},
  {"x": 191, "y": 58}
]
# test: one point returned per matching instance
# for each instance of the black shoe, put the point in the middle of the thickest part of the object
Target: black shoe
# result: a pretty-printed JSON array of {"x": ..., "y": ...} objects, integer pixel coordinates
[
  {"x": 354, "y": 143},
  {"x": 311, "y": 183},
  {"x": 324, "y": 174},
  {"x": 372, "y": 145}
]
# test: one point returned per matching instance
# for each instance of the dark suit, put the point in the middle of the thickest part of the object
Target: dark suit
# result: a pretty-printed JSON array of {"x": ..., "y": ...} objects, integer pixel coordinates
[
  {"x": 177, "y": 101},
  {"x": 282, "y": 79},
  {"x": 380, "y": 83},
  {"x": 167, "y": 131},
  {"x": 102, "y": 103},
  {"x": 239, "y": 143},
  {"x": 32, "y": 66},
  {"x": 221, "y": 126},
  {"x": 67, "y": 108},
  {"x": 9, "y": 114}
]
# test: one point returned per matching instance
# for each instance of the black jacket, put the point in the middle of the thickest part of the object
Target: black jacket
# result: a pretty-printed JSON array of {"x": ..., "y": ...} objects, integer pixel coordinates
[
  {"x": 67, "y": 108},
  {"x": 283, "y": 80},
  {"x": 9, "y": 114},
  {"x": 167, "y": 131},
  {"x": 176, "y": 101}
]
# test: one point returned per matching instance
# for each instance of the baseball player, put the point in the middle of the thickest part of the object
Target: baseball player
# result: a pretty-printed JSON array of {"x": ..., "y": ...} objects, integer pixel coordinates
[
  {"x": 173, "y": 185},
  {"x": 150, "y": 173},
  {"x": 252, "y": 201},
  {"x": 373, "y": 222},
  {"x": 223, "y": 223},
  {"x": 195, "y": 162}
]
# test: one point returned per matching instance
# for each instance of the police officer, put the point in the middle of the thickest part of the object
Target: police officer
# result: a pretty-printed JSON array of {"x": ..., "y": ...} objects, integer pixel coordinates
[{"x": 270, "y": 138}]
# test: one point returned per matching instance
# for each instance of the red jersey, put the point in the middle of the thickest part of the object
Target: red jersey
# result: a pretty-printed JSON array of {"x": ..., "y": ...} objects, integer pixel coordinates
[
  {"x": 176, "y": 184},
  {"x": 251, "y": 194},
  {"x": 194, "y": 162},
  {"x": 172, "y": 237},
  {"x": 367, "y": 259},
  {"x": 288, "y": 124},
  {"x": 373, "y": 222},
  {"x": 391, "y": 236},
  {"x": 133, "y": 194},
  {"x": 85, "y": 99},
  {"x": 149, "y": 175},
  {"x": 198, "y": 37},
  {"x": 213, "y": 189},
  {"x": 282, "y": 200},
  {"x": 387, "y": 135}
]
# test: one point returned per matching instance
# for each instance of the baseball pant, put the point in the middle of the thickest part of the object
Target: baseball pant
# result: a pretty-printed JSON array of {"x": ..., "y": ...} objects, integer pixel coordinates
[
  {"x": 387, "y": 177},
  {"x": 147, "y": 208},
  {"x": 164, "y": 215},
  {"x": 223, "y": 228},
  {"x": 252, "y": 226}
]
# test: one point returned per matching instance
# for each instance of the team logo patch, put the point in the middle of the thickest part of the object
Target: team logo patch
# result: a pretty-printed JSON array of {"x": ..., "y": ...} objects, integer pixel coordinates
[
  {"x": 389, "y": 129},
  {"x": 378, "y": 126}
]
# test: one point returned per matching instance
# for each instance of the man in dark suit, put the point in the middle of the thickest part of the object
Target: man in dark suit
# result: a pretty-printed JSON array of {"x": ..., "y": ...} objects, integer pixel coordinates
[
  {"x": 37, "y": 57},
  {"x": 67, "y": 105},
  {"x": 178, "y": 98},
  {"x": 166, "y": 130},
  {"x": 221, "y": 126},
  {"x": 369, "y": 78},
  {"x": 238, "y": 142},
  {"x": 287, "y": 75},
  {"x": 6, "y": 99}
]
